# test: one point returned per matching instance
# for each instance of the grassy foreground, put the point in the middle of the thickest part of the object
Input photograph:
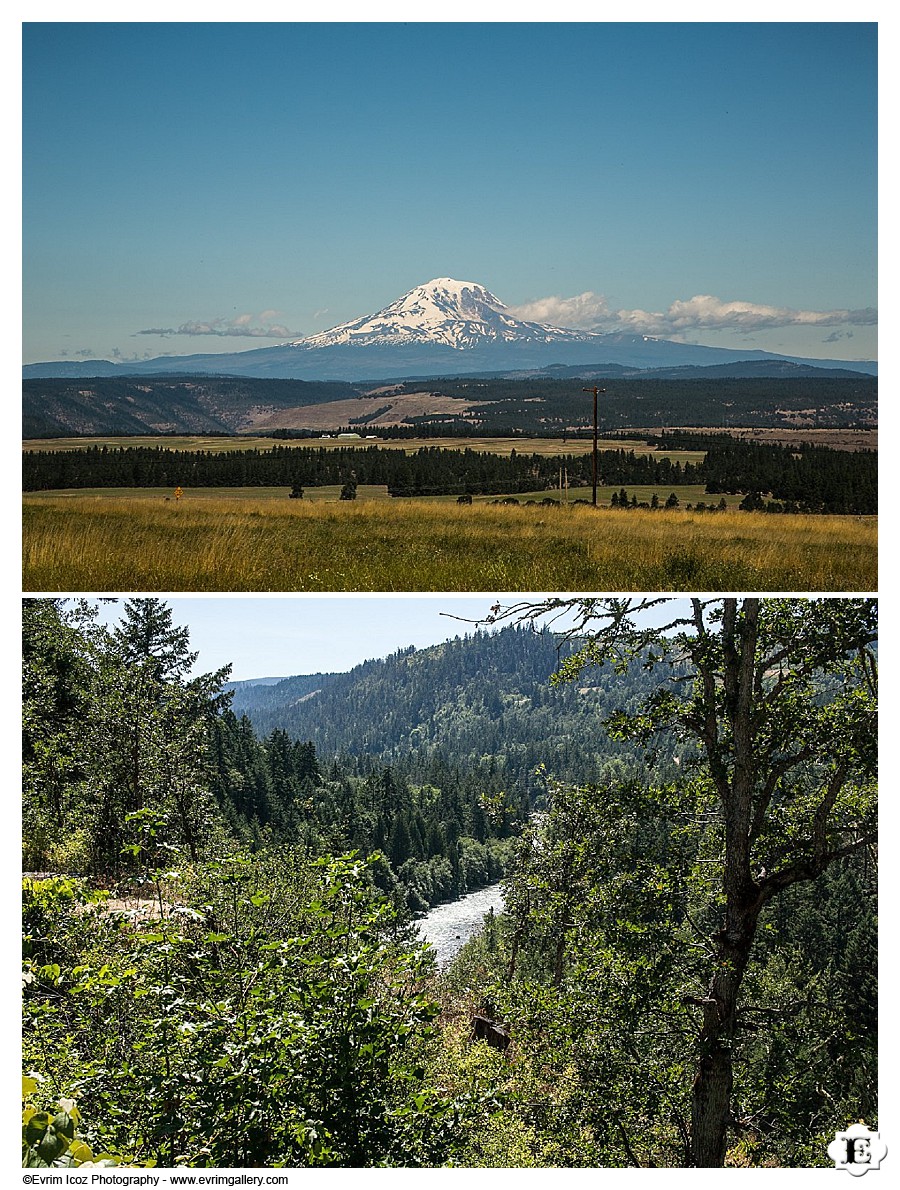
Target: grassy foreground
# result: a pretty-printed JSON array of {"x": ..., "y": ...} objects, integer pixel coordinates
[{"x": 80, "y": 543}]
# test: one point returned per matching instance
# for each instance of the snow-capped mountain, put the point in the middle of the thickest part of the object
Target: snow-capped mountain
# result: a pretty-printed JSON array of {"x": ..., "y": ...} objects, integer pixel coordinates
[
  {"x": 459, "y": 314},
  {"x": 442, "y": 328}
]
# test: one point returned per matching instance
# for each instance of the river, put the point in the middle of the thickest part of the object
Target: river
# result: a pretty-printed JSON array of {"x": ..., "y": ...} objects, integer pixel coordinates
[{"x": 448, "y": 927}]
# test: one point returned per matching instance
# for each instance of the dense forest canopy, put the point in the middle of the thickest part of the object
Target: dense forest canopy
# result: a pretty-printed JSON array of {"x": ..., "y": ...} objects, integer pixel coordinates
[
  {"x": 220, "y": 965},
  {"x": 477, "y": 696}
]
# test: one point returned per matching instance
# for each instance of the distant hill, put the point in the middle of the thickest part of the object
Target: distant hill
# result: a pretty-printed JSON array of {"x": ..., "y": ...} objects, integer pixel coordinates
[
  {"x": 260, "y": 692},
  {"x": 252, "y": 682},
  {"x": 123, "y": 405},
  {"x": 745, "y": 369},
  {"x": 483, "y": 695},
  {"x": 549, "y": 404}
]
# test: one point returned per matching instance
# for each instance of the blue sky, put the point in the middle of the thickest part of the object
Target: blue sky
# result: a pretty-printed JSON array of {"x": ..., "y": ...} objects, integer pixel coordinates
[
  {"x": 277, "y": 636},
  {"x": 236, "y": 185}
]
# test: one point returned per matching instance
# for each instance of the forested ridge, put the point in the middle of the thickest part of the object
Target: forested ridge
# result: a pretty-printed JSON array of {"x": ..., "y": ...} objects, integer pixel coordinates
[
  {"x": 496, "y": 404},
  {"x": 543, "y": 405},
  {"x": 219, "y": 965},
  {"x": 486, "y": 697}
]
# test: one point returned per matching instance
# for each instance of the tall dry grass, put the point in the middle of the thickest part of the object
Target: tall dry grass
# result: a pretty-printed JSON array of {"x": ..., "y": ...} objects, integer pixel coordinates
[{"x": 91, "y": 544}]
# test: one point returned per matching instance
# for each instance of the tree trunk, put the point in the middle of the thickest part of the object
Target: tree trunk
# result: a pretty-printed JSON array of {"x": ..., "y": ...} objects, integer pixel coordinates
[
  {"x": 710, "y": 1108},
  {"x": 711, "y": 1092}
]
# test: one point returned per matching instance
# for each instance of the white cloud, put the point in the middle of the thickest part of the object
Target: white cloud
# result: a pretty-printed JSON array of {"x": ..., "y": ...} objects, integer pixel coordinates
[
  {"x": 591, "y": 311},
  {"x": 582, "y": 311},
  {"x": 705, "y": 312}
]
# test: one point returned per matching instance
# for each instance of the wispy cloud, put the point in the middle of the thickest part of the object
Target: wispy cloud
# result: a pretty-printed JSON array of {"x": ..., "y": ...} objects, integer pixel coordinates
[
  {"x": 591, "y": 311},
  {"x": 133, "y": 357},
  {"x": 243, "y": 326}
]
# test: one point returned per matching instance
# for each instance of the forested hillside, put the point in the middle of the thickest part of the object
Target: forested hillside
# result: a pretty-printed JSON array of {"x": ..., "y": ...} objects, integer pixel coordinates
[
  {"x": 220, "y": 968},
  {"x": 424, "y": 808},
  {"x": 481, "y": 697},
  {"x": 548, "y": 405}
]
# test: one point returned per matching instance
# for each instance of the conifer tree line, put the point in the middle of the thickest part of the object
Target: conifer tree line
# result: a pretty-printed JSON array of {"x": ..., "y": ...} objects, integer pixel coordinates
[
  {"x": 484, "y": 703},
  {"x": 806, "y": 478},
  {"x": 427, "y": 471},
  {"x": 435, "y": 839},
  {"x": 168, "y": 743}
]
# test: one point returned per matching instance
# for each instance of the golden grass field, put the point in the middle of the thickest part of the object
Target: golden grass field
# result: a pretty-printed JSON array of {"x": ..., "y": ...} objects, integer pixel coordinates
[
  {"x": 500, "y": 446},
  {"x": 136, "y": 541},
  {"x": 687, "y": 494}
]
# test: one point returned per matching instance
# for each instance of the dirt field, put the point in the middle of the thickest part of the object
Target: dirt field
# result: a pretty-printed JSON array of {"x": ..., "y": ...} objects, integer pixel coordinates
[{"x": 395, "y": 409}]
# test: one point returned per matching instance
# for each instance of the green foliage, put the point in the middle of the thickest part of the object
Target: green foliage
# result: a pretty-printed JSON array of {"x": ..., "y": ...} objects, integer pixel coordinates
[
  {"x": 148, "y": 738},
  {"x": 433, "y": 831},
  {"x": 642, "y": 904},
  {"x": 48, "y": 1136},
  {"x": 476, "y": 712},
  {"x": 221, "y": 1033},
  {"x": 56, "y": 697}
]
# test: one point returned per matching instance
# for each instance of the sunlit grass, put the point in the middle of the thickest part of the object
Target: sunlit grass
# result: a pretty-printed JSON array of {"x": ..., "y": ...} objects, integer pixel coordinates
[
  {"x": 687, "y": 494},
  {"x": 83, "y": 543},
  {"x": 216, "y": 444},
  {"x": 195, "y": 495}
]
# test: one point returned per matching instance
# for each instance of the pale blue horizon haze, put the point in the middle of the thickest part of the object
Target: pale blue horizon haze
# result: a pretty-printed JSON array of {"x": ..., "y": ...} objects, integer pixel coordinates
[{"x": 208, "y": 187}]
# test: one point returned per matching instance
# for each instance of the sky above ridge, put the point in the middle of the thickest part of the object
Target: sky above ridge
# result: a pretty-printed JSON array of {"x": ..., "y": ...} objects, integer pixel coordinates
[
  {"x": 210, "y": 187},
  {"x": 263, "y": 636}
]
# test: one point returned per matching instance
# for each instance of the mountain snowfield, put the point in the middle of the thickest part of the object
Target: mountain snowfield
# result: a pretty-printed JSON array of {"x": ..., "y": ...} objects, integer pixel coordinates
[{"x": 459, "y": 314}]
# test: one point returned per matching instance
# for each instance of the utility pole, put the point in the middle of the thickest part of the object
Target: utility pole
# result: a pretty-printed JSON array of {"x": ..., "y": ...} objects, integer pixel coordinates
[{"x": 595, "y": 391}]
